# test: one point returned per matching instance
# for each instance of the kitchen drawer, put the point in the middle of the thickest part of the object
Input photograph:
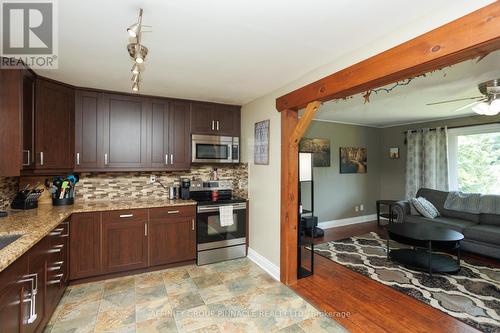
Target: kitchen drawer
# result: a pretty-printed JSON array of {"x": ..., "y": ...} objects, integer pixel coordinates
[
  {"x": 128, "y": 214},
  {"x": 172, "y": 212}
]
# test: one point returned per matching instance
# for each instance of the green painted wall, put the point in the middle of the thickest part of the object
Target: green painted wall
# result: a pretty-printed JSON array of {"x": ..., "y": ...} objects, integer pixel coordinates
[{"x": 337, "y": 194}]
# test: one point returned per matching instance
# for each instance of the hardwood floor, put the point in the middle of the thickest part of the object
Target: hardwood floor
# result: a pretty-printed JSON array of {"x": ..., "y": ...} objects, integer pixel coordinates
[{"x": 364, "y": 305}]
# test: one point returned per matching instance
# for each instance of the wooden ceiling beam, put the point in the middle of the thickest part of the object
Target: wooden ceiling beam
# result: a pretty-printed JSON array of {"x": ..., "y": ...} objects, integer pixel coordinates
[{"x": 468, "y": 37}]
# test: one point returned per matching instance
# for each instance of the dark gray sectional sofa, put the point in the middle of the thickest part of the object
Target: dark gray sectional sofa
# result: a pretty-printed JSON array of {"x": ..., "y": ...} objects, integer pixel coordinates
[{"x": 481, "y": 231}]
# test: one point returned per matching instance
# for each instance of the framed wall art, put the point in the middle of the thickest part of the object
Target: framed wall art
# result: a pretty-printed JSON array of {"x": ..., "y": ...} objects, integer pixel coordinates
[{"x": 261, "y": 143}]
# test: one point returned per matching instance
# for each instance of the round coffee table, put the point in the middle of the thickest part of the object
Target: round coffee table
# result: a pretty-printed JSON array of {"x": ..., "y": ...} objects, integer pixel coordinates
[{"x": 425, "y": 239}]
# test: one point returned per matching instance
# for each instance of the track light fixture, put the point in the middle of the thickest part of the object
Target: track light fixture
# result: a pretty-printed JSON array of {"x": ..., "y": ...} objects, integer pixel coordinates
[
  {"x": 135, "y": 29},
  {"x": 136, "y": 69},
  {"x": 136, "y": 50}
]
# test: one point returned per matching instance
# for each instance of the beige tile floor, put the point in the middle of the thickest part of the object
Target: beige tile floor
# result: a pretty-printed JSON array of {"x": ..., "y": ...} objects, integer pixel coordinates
[{"x": 233, "y": 296}]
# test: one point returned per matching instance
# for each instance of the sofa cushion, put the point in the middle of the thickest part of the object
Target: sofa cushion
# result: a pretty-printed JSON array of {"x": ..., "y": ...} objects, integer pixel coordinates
[
  {"x": 484, "y": 233},
  {"x": 438, "y": 198},
  {"x": 443, "y": 222},
  {"x": 492, "y": 219},
  {"x": 424, "y": 207}
]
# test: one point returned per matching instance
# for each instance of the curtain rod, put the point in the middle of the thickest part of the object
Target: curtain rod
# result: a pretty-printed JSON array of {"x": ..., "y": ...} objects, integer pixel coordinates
[{"x": 451, "y": 127}]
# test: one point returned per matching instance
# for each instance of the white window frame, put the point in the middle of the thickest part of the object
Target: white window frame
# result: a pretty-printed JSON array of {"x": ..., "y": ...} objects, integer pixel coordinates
[{"x": 453, "y": 135}]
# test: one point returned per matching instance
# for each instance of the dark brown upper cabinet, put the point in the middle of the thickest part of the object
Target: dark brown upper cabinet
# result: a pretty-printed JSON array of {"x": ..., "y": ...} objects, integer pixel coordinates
[
  {"x": 88, "y": 130},
  {"x": 170, "y": 144},
  {"x": 215, "y": 119},
  {"x": 180, "y": 140},
  {"x": 54, "y": 126},
  {"x": 160, "y": 130},
  {"x": 125, "y": 132},
  {"x": 10, "y": 122},
  {"x": 16, "y": 125},
  {"x": 202, "y": 120},
  {"x": 28, "y": 120}
]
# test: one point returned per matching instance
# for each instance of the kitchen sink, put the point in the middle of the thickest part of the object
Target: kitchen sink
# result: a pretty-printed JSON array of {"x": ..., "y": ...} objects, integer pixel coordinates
[{"x": 7, "y": 239}]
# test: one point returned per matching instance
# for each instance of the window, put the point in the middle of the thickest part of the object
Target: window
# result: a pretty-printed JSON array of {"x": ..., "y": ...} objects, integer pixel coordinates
[{"x": 474, "y": 159}]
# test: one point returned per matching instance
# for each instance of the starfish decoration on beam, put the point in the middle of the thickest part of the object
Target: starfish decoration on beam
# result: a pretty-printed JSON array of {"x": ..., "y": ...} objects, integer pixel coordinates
[{"x": 366, "y": 96}]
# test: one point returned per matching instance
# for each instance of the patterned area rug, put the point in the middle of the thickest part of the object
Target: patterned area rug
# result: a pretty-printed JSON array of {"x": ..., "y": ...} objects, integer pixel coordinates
[{"x": 472, "y": 295}]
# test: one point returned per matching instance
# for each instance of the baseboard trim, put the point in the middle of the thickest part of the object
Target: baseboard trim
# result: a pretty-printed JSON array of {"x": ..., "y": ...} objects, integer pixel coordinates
[
  {"x": 264, "y": 263},
  {"x": 347, "y": 221}
]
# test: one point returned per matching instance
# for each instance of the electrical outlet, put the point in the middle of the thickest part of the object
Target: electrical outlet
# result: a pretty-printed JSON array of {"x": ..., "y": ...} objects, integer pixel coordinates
[
  {"x": 356, "y": 209},
  {"x": 152, "y": 179},
  {"x": 361, "y": 207}
]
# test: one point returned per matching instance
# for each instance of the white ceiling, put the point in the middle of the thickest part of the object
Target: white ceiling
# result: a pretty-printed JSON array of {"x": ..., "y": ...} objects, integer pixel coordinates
[
  {"x": 407, "y": 104},
  {"x": 229, "y": 51}
]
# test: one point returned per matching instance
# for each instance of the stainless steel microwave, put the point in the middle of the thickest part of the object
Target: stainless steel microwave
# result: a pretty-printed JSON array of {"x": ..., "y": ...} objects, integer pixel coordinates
[{"x": 215, "y": 149}]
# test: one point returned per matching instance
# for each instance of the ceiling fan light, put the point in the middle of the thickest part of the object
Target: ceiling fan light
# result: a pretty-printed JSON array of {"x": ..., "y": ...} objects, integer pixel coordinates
[
  {"x": 135, "y": 87},
  {"x": 494, "y": 108},
  {"x": 481, "y": 108},
  {"x": 134, "y": 30},
  {"x": 136, "y": 78}
]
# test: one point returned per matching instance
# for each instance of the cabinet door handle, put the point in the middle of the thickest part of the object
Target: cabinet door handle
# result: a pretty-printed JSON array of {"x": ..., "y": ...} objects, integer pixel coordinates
[
  {"x": 56, "y": 232},
  {"x": 145, "y": 229},
  {"x": 192, "y": 224},
  {"x": 41, "y": 158},
  {"x": 67, "y": 229},
  {"x": 31, "y": 319},
  {"x": 166, "y": 159},
  {"x": 171, "y": 158},
  {"x": 105, "y": 158},
  {"x": 126, "y": 215},
  {"x": 213, "y": 125},
  {"x": 27, "y": 151},
  {"x": 217, "y": 125},
  {"x": 173, "y": 212},
  {"x": 77, "y": 158}
]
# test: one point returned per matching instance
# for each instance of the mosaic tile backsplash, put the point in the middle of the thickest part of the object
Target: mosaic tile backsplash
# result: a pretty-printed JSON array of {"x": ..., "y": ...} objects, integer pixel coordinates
[
  {"x": 130, "y": 185},
  {"x": 8, "y": 189}
]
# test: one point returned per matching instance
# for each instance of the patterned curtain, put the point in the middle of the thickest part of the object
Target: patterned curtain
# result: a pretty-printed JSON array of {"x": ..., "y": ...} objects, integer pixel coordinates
[{"x": 426, "y": 160}]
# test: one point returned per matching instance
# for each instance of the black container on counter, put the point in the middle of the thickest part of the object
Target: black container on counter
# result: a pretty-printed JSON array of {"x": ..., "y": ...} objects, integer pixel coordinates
[
  {"x": 63, "y": 201},
  {"x": 185, "y": 185}
]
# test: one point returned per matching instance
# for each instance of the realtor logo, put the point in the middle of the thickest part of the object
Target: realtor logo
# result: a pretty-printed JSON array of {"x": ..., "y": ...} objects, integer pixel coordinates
[{"x": 29, "y": 34}]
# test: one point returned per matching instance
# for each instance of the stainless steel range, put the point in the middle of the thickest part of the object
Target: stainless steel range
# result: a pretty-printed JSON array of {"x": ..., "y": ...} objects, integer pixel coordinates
[{"x": 221, "y": 226}]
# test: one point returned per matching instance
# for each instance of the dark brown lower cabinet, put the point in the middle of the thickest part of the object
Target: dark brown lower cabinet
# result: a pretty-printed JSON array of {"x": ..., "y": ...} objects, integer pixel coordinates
[
  {"x": 38, "y": 257},
  {"x": 57, "y": 266},
  {"x": 172, "y": 235},
  {"x": 85, "y": 245},
  {"x": 124, "y": 240},
  {"x": 13, "y": 287}
]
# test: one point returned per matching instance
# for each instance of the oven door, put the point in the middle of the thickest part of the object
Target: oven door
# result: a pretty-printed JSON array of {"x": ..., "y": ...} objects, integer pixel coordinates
[
  {"x": 210, "y": 234},
  {"x": 212, "y": 149}
]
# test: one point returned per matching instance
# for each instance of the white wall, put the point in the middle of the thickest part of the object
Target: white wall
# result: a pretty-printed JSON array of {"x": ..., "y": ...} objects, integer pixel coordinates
[{"x": 264, "y": 181}]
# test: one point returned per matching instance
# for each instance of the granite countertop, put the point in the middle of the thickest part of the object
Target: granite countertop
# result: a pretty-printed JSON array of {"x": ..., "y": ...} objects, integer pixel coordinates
[{"x": 37, "y": 223}]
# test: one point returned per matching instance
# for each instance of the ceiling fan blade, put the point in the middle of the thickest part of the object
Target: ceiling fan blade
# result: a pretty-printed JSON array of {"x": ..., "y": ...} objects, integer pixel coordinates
[
  {"x": 455, "y": 100},
  {"x": 470, "y": 105}
]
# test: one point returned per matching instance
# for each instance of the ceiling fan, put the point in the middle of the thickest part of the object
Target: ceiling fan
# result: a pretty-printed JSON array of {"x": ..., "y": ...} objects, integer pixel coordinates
[{"x": 488, "y": 104}]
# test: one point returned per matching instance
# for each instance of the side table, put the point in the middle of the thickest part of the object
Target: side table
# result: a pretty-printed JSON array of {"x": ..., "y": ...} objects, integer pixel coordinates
[{"x": 390, "y": 214}]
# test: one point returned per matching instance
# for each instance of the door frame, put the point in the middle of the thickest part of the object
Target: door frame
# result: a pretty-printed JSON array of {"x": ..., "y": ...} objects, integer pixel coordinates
[{"x": 474, "y": 35}]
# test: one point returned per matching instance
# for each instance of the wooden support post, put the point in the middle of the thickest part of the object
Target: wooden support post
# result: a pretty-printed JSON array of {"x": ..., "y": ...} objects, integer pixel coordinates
[
  {"x": 289, "y": 199},
  {"x": 292, "y": 131}
]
